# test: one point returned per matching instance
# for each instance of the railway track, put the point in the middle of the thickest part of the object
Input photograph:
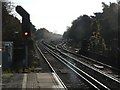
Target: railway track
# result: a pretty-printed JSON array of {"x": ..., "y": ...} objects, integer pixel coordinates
[
  {"x": 106, "y": 81},
  {"x": 107, "y": 70},
  {"x": 68, "y": 77},
  {"x": 62, "y": 47},
  {"x": 82, "y": 56},
  {"x": 52, "y": 69},
  {"x": 96, "y": 84}
]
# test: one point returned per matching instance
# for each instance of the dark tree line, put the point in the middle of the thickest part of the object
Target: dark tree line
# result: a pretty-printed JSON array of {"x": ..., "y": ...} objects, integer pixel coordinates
[
  {"x": 12, "y": 31},
  {"x": 11, "y": 26},
  {"x": 99, "y": 32},
  {"x": 43, "y": 33}
]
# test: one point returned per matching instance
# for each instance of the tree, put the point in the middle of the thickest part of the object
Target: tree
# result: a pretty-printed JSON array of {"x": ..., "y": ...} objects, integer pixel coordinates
[
  {"x": 109, "y": 28},
  {"x": 66, "y": 33},
  {"x": 80, "y": 29},
  {"x": 10, "y": 25},
  {"x": 110, "y": 15}
]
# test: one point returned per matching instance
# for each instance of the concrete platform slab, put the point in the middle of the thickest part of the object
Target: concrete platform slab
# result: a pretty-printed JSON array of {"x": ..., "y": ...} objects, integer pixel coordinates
[
  {"x": 35, "y": 81},
  {"x": 49, "y": 80}
]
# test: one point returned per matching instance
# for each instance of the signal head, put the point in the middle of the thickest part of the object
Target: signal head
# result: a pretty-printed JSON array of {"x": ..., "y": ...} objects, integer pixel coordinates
[{"x": 26, "y": 33}]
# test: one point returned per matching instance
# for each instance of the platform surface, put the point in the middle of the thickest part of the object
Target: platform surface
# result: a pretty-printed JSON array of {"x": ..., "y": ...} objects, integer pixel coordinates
[
  {"x": 42, "y": 80},
  {"x": 33, "y": 81}
]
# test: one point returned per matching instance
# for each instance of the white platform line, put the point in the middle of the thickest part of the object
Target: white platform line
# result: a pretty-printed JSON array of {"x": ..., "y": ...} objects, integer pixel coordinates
[
  {"x": 59, "y": 82},
  {"x": 24, "y": 82}
]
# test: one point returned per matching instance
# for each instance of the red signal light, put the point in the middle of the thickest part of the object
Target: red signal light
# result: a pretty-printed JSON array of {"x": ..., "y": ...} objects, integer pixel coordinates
[{"x": 26, "y": 33}]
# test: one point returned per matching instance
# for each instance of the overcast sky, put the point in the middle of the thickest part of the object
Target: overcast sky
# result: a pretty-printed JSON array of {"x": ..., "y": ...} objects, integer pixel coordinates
[{"x": 56, "y": 15}]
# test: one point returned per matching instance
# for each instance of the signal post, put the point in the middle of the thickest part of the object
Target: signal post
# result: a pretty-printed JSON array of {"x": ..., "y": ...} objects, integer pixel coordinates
[{"x": 26, "y": 29}]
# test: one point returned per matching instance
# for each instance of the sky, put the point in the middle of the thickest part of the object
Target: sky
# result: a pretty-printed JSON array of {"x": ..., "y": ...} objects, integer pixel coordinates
[{"x": 57, "y": 15}]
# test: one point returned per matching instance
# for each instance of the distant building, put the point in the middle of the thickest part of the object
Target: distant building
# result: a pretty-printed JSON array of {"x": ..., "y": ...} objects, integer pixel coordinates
[{"x": 7, "y": 54}]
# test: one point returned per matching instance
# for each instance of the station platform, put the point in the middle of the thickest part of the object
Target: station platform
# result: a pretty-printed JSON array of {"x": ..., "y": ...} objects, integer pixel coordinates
[{"x": 43, "y": 81}]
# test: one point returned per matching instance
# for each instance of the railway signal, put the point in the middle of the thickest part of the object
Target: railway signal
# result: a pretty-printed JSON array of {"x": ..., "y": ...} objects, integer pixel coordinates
[
  {"x": 25, "y": 28},
  {"x": 26, "y": 33},
  {"x": 25, "y": 21}
]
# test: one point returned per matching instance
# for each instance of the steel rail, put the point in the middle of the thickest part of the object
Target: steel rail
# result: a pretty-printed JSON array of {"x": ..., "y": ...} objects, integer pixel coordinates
[
  {"x": 51, "y": 67},
  {"x": 59, "y": 58},
  {"x": 101, "y": 72},
  {"x": 107, "y": 75}
]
